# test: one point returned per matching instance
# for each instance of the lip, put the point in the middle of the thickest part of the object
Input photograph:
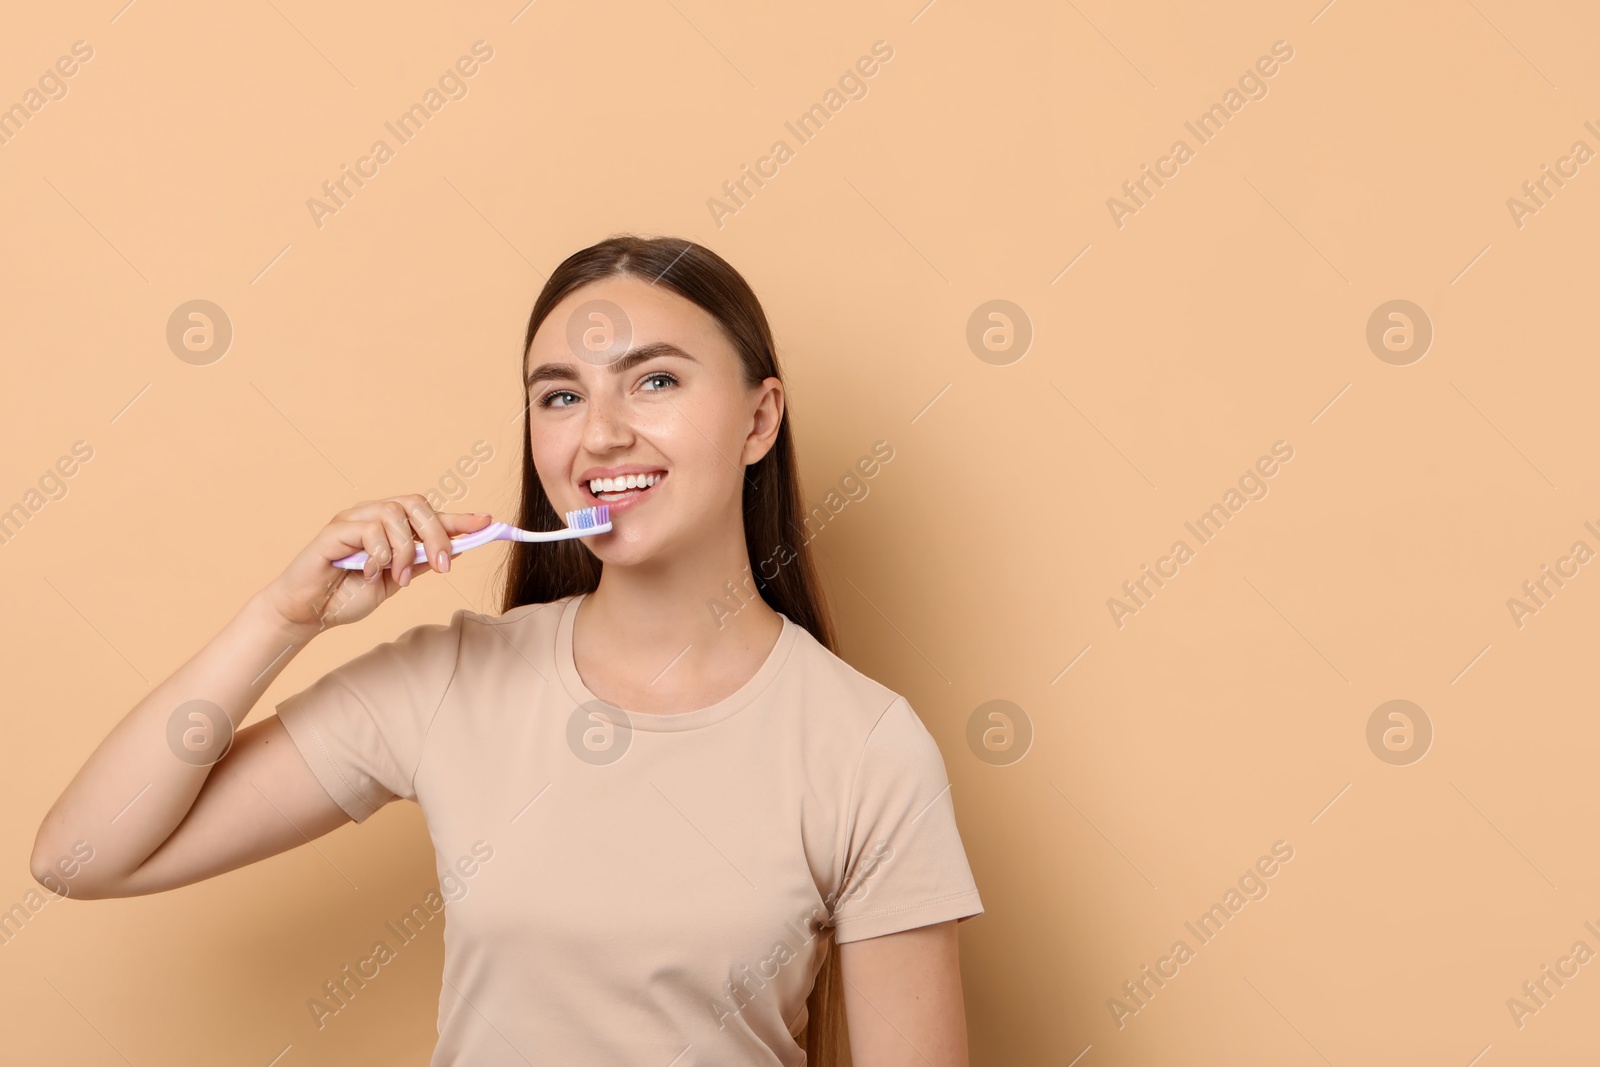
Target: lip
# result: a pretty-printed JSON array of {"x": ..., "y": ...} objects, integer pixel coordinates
[
  {"x": 616, "y": 472},
  {"x": 627, "y": 503}
]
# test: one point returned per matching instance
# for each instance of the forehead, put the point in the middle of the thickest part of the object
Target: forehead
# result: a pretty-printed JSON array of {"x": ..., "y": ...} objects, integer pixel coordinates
[{"x": 607, "y": 312}]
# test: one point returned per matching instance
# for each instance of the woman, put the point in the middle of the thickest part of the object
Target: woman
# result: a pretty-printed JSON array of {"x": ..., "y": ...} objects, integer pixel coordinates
[{"x": 676, "y": 828}]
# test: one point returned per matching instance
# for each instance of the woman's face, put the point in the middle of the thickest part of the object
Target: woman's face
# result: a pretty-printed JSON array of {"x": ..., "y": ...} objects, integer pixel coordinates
[{"x": 681, "y": 414}]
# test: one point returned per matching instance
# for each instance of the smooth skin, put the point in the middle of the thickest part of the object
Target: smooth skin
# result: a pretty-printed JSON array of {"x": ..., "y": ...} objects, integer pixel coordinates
[{"x": 642, "y": 640}]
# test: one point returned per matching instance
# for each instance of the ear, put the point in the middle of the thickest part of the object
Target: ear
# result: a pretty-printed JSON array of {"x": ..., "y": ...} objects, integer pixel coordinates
[{"x": 765, "y": 419}]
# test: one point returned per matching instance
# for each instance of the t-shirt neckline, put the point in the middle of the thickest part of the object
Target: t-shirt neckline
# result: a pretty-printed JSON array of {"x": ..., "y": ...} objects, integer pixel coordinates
[{"x": 734, "y": 702}]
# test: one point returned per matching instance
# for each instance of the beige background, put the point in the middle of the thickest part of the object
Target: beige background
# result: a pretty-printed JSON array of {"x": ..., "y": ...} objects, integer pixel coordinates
[{"x": 1229, "y": 313}]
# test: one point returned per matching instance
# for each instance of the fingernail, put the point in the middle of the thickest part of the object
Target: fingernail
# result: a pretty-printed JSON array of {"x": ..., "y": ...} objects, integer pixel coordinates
[
  {"x": 405, "y": 576},
  {"x": 444, "y": 560}
]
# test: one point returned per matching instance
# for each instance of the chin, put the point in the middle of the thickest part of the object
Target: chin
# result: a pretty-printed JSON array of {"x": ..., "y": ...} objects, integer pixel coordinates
[{"x": 625, "y": 548}]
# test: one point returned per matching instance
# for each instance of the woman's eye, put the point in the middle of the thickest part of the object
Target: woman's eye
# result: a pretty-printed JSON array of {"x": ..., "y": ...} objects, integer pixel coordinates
[
  {"x": 549, "y": 400},
  {"x": 545, "y": 401}
]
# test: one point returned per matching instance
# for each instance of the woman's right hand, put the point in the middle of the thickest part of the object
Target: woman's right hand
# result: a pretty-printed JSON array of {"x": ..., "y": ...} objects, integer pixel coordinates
[{"x": 313, "y": 595}]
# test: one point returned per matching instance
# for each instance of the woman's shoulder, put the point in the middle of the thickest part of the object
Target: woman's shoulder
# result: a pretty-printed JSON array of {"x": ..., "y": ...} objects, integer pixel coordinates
[
  {"x": 522, "y": 613},
  {"x": 832, "y": 682},
  {"x": 490, "y": 629}
]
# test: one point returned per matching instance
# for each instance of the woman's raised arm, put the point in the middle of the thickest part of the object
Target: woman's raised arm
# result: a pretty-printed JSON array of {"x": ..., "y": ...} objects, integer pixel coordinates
[{"x": 153, "y": 807}]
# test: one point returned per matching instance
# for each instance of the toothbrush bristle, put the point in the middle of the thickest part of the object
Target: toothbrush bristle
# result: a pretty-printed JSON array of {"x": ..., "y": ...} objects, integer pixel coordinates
[{"x": 585, "y": 518}]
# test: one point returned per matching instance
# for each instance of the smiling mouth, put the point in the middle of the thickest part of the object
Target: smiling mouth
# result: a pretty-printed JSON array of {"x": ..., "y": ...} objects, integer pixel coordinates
[{"x": 615, "y": 489}]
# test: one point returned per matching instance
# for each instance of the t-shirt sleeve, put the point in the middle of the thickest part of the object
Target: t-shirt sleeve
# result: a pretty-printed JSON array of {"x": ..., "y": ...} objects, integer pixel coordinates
[
  {"x": 905, "y": 865},
  {"x": 361, "y": 726}
]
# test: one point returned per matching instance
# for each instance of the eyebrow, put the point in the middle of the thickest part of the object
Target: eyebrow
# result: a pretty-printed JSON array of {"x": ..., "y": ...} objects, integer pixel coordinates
[{"x": 555, "y": 372}]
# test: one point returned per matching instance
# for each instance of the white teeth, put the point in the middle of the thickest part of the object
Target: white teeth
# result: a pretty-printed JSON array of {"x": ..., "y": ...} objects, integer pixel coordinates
[{"x": 627, "y": 481}]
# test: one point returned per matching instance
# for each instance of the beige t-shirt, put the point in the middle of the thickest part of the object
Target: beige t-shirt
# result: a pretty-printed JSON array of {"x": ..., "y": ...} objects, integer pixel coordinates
[{"x": 627, "y": 888}]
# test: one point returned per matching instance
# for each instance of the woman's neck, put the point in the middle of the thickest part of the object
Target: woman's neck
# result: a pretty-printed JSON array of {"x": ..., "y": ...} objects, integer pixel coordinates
[{"x": 663, "y": 643}]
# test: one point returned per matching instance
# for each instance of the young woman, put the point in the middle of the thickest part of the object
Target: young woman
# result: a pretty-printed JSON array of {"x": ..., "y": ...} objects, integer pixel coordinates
[{"x": 686, "y": 831}]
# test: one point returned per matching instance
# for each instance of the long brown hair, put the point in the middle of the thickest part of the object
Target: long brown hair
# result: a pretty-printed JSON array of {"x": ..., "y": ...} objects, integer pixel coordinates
[{"x": 774, "y": 506}]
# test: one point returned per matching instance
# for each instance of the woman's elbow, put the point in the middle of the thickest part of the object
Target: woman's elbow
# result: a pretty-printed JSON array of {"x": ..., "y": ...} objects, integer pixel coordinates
[{"x": 65, "y": 870}]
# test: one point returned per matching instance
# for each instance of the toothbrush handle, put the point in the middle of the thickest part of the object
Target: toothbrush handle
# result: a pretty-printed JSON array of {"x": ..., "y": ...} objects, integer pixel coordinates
[
  {"x": 585, "y": 522},
  {"x": 358, "y": 560}
]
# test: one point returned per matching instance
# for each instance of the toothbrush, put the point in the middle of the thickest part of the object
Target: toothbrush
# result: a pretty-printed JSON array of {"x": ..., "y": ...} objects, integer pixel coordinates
[{"x": 580, "y": 523}]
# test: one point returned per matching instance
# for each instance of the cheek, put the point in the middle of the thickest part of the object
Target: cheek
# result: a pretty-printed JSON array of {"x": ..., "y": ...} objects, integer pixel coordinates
[
  {"x": 547, "y": 466},
  {"x": 708, "y": 466},
  {"x": 667, "y": 423},
  {"x": 704, "y": 430}
]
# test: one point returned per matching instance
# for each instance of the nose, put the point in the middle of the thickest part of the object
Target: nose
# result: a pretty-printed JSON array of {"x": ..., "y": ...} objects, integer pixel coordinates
[{"x": 606, "y": 424}]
